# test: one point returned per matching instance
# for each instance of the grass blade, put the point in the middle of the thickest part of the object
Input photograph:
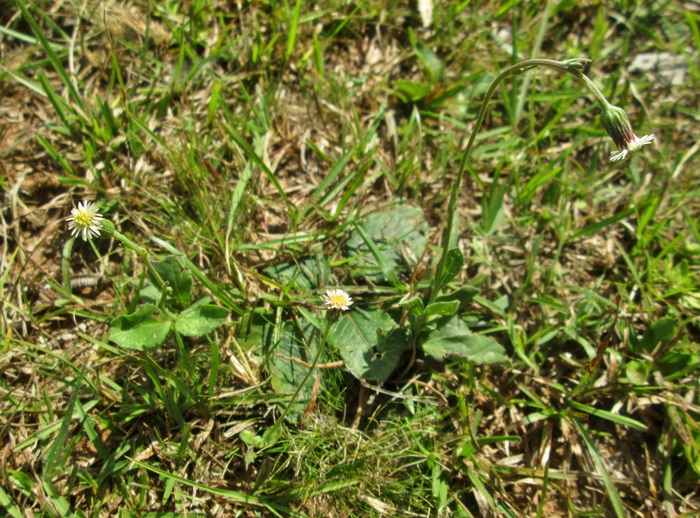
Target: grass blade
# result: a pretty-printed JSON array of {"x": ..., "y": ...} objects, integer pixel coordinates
[{"x": 614, "y": 496}]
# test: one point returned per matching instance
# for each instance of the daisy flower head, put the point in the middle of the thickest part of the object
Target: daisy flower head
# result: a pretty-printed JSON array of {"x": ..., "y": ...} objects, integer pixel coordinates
[
  {"x": 634, "y": 144},
  {"x": 85, "y": 220},
  {"x": 337, "y": 299}
]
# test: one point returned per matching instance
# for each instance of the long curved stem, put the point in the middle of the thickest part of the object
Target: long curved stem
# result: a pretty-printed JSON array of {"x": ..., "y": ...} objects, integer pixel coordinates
[{"x": 571, "y": 66}]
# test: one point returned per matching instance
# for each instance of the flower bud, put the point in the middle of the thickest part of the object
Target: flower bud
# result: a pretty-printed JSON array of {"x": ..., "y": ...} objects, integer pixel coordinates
[
  {"x": 107, "y": 228},
  {"x": 616, "y": 123}
]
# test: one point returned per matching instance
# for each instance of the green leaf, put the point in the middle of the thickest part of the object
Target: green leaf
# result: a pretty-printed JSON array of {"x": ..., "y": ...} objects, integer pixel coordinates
[
  {"x": 430, "y": 61},
  {"x": 200, "y": 319},
  {"x": 464, "y": 295},
  {"x": 410, "y": 91},
  {"x": 286, "y": 375},
  {"x": 637, "y": 372},
  {"x": 255, "y": 333},
  {"x": 141, "y": 331},
  {"x": 454, "y": 262},
  {"x": 604, "y": 414},
  {"x": 370, "y": 343},
  {"x": 400, "y": 234},
  {"x": 613, "y": 495},
  {"x": 660, "y": 333},
  {"x": 455, "y": 339},
  {"x": 305, "y": 274},
  {"x": 442, "y": 308},
  {"x": 413, "y": 305},
  {"x": 179, "y": 279}
]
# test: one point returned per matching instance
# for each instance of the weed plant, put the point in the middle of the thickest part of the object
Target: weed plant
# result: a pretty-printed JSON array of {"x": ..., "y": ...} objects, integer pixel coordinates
[{"x": 349, "y": 259}]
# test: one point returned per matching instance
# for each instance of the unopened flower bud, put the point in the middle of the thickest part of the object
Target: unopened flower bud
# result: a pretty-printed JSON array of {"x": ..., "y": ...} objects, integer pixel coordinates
[{"x": 616, "y": 123}]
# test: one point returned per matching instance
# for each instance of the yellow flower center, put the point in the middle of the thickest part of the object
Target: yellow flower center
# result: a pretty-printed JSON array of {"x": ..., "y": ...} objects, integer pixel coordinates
[
  {"x": 338, "y": 299},
  {"x": 84, "y": 218}
]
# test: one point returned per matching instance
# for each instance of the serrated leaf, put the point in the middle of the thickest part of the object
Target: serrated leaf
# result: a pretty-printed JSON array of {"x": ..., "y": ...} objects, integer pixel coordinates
[
  {"x": 141, "y": 331},
  {"x": 455, "y": 339},
  {"x": 200, "y": 319},
  {"x": 370, "y": 343}
]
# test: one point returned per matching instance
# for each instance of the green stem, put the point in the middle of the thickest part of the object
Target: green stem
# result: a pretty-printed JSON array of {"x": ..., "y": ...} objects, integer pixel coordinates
[
  {"x": 143, "y": 254},
  {"x": 571, "y": 66}
]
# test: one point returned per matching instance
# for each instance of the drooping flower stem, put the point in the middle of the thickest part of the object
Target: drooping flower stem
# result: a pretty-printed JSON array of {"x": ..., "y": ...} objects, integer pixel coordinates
[{"x": 571, "y": 66}]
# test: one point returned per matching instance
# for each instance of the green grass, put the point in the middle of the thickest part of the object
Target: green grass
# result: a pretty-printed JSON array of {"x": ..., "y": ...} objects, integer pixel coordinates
[{"x": 264, "y": 152}]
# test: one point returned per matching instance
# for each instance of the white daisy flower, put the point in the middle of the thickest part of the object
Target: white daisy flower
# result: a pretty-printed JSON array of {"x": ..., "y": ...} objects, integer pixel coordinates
[
  {"x": 337, "y": 299},
  {"x": 632, "y": 146},
  {"x": 86, "y": 220}
]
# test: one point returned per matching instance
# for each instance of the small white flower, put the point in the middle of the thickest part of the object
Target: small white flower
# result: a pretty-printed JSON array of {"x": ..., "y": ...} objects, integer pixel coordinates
[
  {"x": 632, "y": 146},
  {"x": 337, "y": 299},
  {"x": 85, "y": 220}
]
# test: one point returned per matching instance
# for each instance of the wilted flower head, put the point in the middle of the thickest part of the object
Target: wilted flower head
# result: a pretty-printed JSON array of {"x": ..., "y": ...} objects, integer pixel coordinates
[
  {"x": 632, "y": 146},
  {"x": 85, "y": 220},
  {"x": 615, "y": 121},
  {"x": 337, "y": 299}
]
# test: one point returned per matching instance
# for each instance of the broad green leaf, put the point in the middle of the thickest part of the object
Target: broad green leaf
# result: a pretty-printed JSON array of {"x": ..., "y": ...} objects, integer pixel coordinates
[
  {"x": 255, "y": 332},
  {"x": 413, "y": 305},
  {"x": 637, "y": 372},
  {"x": 454, "y": 262},
  {"x": 410, "y": 91},
  {"x": 660, "y": 333},
  {"x": 287, "y": 375},
  {"x": 464, "y": 295},
  {"x": 676, "y": 365},
  {"x": 455, "y": 339},
  {"x": 430, "y": 61},
  {"x": 442, "y": 308},
  {"x": 399, "y": 232},
  {"x": 306, "y": 274},
  {"x": 179, "y": 280},
  {"x": 200, "y": 319},
  {"x": 370, "y": 343},
  {"x": 141, "y": 331}
]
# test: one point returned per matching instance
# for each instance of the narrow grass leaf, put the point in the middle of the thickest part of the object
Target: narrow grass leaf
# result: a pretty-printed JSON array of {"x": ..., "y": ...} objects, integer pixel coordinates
[
  {"x": 59, "y": 502},
  {"x": 604, "y": 414},
  {"x": 253, "y": 156},
  {"x": 57, "y": 449},
  {"x": 51, "y": 54},
  {"x": 613, "y": 495},
  {"x": 293, "y": 27},
  {"x": 9, "y": 505},
  {"x": 596, "y": 227},
  {"x": 235, "y": 496}
]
